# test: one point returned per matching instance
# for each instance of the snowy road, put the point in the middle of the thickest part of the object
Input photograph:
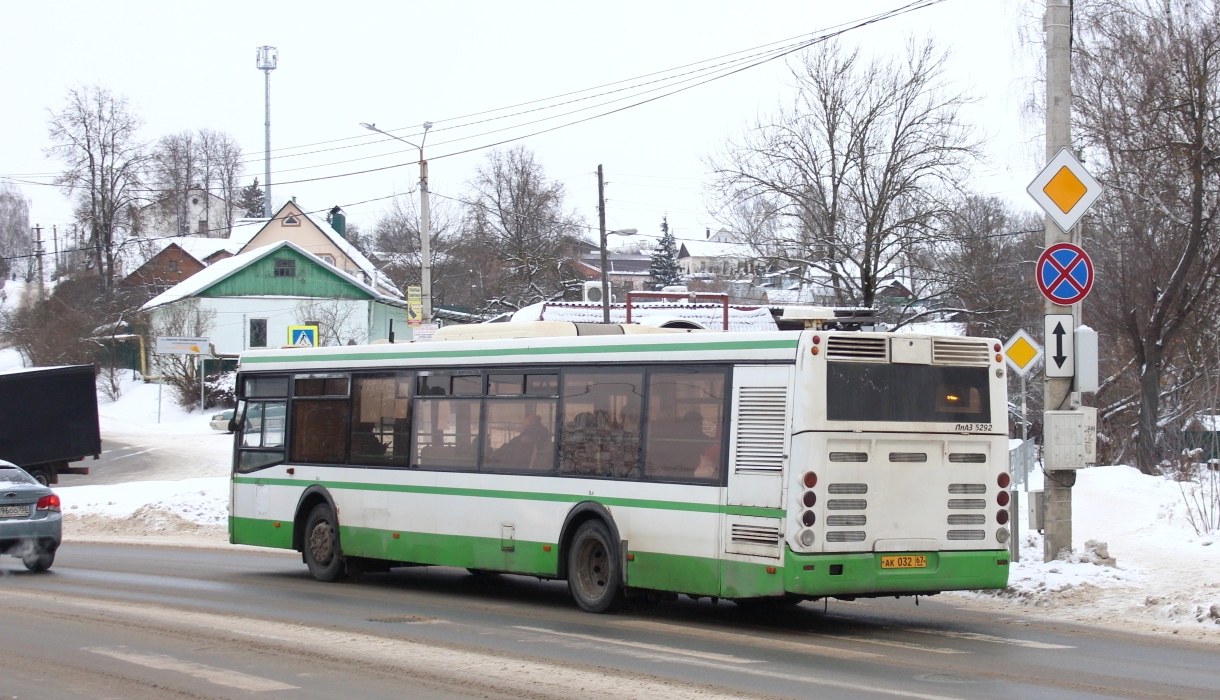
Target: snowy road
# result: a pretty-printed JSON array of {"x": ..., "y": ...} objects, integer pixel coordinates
[
  {"x": 155, "y": 457},
  {"x": 149, "y": 622}
]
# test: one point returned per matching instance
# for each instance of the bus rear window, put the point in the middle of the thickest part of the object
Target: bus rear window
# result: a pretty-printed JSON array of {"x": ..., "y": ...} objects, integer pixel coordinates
[{"x": 859, "y": 391}]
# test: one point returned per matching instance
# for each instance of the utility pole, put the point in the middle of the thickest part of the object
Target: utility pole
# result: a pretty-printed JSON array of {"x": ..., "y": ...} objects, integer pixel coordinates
[
  {"x": 1057, "y": 491},
  {"x": 601, "y": 222},
  {"x": 38, "y": 253},
  {"x": 55, "y": 243},
  {"x": 425, "y": 240},
  {"x": 267, "y": 59}
]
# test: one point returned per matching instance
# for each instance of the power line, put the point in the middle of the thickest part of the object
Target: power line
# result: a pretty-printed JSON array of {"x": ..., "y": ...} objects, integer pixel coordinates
[{"x": 697, "y": 78}]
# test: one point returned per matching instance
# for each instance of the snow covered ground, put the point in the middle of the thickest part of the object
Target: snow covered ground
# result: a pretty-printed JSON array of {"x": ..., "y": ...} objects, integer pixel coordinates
[{"x": 1138, "y": 563}]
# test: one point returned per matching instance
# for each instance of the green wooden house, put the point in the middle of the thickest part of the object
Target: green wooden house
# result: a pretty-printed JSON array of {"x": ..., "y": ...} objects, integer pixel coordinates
[{"x": 249, "y": 301}]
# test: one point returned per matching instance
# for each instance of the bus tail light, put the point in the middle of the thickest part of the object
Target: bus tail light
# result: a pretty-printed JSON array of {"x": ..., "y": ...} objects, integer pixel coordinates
[
  {"x": 1003, "y": 480},
  {"x": 809, "y": 499},
  {"x": 807, "y": 538},
  {"x": 1002, "y": 498},
  {"x": 1001, "y": 535},
  {"x": 810, "y": 480},
  {"x": 50, "y": 502},
  {"x": 809, "y": 518},
  {"x": 1001, "y": 516}
]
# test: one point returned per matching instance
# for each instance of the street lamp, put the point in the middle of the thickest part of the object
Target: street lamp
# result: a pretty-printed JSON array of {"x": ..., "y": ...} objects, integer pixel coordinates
[
  {"x": 425, "y": 221},
  {"x": 605, "y": 279}
]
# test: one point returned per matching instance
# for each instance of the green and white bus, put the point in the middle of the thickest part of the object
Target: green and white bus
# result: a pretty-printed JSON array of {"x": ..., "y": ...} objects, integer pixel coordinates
[{"x": 759, "y": 467}]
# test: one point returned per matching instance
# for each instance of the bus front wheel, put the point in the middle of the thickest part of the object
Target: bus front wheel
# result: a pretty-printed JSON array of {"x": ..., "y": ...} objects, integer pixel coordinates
[
  {"x": 322, "y": 553},
  {"x": 594, "y": 576}
]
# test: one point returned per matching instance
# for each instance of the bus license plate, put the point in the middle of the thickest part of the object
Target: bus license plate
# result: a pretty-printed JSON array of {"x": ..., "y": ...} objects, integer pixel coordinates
[
  {"x": 14, "y": 511},
  {"x": 913, "y": 561}
]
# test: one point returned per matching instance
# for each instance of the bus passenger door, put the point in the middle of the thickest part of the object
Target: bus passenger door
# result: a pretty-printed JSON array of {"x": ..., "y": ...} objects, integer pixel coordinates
[{"x": 758, "y": 456}]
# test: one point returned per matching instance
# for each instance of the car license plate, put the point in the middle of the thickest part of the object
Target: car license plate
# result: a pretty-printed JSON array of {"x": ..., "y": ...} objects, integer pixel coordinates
[
  {"x": 906, "y": 561},
  {"x": 14, "y": 511}
]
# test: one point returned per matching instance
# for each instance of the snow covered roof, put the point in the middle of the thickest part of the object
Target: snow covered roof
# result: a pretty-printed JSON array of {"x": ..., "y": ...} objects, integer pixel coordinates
[
  {"x": 713, "y": 249},
  {"x": 710, "y": 316},
  {"x": 354, "y": 254},
  {"x": 199, "y": 247},
  {"x": 218, "y": 271},
  {"x": 1206, "y": 422},
  {"x": 244, "y": 231}
]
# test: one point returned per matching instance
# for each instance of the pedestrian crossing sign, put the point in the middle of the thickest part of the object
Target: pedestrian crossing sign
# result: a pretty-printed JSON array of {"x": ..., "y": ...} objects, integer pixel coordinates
[{"x": 303, "y": 336}]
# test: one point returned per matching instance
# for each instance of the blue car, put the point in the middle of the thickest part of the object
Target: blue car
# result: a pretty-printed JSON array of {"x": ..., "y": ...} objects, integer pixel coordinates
[{"x": 31, "y": 525}]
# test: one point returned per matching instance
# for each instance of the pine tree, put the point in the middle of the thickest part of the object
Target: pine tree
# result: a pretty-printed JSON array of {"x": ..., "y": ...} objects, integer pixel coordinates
[
  {"x": 251, "y": 200},
  {"x": 664, "y": 268}
]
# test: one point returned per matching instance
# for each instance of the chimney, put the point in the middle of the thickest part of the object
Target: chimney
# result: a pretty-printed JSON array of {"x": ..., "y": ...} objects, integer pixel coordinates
[
  {"x": 337, "y": 221},
  {"x": 707, "y": 233}
]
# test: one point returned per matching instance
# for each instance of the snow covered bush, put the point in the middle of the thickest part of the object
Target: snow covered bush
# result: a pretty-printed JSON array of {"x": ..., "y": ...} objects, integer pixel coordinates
[
  {"x": 219, "y": 391},
  {"x": 1200, "y": 487}
]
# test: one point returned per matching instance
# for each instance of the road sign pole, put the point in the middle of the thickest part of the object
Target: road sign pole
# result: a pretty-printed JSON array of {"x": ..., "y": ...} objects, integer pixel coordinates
[{"x": 1057, "y": 516}]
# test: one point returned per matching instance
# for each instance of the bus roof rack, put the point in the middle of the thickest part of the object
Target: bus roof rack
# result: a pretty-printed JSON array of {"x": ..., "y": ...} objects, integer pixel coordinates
[
  {"x": 544, "y": 329},
  {"x": 796, "y": 318}
]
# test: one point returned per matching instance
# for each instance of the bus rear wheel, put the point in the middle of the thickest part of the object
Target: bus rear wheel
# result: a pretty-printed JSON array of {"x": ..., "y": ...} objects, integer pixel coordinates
[
  {"x": 322, "y": 553},
  {"x": 594, "y": 576}
]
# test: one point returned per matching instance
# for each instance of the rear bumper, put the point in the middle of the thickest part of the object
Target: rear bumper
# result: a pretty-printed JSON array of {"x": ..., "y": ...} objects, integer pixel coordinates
[
  {"x": 16, "y": 531},
  {"x": 861, "y": 574}
]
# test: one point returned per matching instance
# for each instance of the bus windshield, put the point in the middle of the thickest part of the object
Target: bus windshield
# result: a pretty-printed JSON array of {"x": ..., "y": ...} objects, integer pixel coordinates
[{"x": 859, "y": 391}]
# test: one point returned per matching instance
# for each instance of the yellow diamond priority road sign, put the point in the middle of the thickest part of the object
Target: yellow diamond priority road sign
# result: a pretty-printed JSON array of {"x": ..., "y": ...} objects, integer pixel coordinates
[
  {"x": 1064, "y": 189},
  {"x": 1021, "y": 352}
]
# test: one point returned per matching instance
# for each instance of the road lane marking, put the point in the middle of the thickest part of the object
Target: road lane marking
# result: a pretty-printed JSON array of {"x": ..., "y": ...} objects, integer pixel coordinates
[
  {"x": 211, "y": 674},
  {"x": 710, "y": 656},
  {"x": 136, "y": 454},
  {"x": 766, "y": 642},
  {"x": 890, "y": 643},
  {"x": 975, "y": 636}
]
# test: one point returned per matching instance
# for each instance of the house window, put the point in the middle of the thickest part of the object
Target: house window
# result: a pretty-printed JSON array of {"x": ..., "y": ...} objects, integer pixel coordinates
[
  {"x": 203, "y": 226},
  {"x": 173, "y": 266},
  {"x": 285, "y": 268},
  {"x": 258, "y": 332},
  {"x": 327, "y": 258},
  {"x": 291, "y": 220}
]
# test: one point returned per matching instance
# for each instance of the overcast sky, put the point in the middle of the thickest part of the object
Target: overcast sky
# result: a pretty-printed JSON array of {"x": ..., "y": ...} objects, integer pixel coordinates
[{"x": 398, "y": 64}]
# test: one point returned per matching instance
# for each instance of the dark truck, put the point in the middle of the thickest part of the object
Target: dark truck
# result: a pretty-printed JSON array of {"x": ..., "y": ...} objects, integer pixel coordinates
[{"x": 48, "y": 419}]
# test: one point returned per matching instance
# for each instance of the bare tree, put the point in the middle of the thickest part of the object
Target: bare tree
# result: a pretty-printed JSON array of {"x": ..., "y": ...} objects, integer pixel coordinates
[
  {"x": 984, "y": 257},
  {"x": 173, "y": 170},
  {"x": 182, "y": 319},
  {"x": 16, "y": 240},
  {"x": 340, "y": 321},
  {"x": 222, "y": 167},
  {"x": 204, "y": 160},
  {"x": 394, "y": 246},
  {"x": 1147, "y": 96},
  {"x": 518, "y": 232},
  {"x": 845, "y": 184},
  {"x": 95, "y": 136}
]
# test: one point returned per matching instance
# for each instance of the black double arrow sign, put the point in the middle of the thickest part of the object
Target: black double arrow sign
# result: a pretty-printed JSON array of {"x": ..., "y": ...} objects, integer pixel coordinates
[{"x": 1059, "y": 357}]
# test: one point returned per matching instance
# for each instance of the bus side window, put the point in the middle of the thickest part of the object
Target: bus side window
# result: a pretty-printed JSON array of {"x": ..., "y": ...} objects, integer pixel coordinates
[
  {"x": 319, "y": 422},
  {"x": 380, "y": 434},
  {"x": 685, "y": 425},
  {"x": 600, "y": 426},
  {"x": 446, "y": 434},
  {"x": 519, "y": 430}
]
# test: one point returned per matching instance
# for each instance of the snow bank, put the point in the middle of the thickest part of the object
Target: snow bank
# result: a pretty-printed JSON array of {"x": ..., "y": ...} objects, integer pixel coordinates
[
  {"x": 135, "y": 412},
  {"x": 203, "y": 501},
  {"x": 1137, "y": 562}
]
